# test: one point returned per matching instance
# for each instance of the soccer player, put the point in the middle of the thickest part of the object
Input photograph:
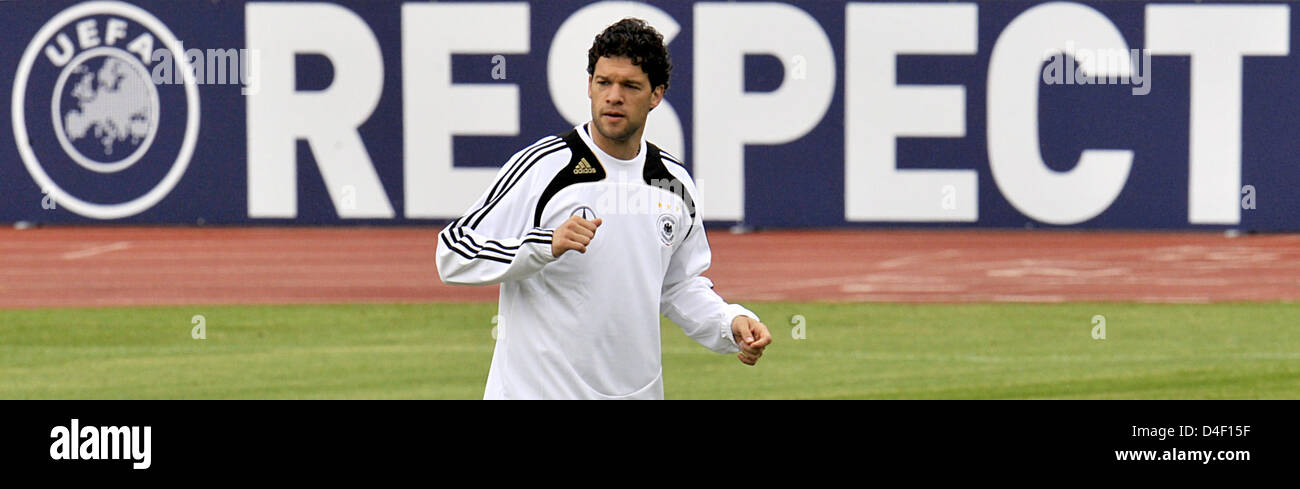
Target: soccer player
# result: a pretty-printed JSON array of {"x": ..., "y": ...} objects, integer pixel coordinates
[{"x": 592, "y": 235}]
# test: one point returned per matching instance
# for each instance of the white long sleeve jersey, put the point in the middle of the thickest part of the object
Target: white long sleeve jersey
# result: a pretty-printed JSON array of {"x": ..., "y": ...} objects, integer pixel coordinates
[{"x": 586, "y": 326}]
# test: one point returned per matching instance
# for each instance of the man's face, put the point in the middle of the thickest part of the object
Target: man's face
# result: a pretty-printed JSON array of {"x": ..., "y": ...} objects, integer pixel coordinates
[{"x": 621, "y": 98}]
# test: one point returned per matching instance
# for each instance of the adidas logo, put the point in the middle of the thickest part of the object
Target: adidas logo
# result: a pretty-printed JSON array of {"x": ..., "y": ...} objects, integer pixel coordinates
[{"x": 583, "y": 168}]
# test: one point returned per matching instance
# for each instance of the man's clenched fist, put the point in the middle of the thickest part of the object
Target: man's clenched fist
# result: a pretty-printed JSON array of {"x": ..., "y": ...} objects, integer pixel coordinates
[
  {"x": 752, "y": 337},
  {"x": 575, "y": 234}
]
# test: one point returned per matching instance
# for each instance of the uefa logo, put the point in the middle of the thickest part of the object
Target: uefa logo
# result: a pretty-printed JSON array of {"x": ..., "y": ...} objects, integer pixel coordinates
[{"x": 92, "y": 127}]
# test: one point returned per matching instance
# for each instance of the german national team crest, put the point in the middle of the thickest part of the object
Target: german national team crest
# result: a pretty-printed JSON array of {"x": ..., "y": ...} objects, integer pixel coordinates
[
  {"x": 96, "y": 128},
  {"x": 667, "y": 228}
]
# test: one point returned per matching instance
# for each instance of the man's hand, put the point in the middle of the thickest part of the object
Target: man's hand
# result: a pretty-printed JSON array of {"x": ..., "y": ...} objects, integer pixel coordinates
[
  {"x": 575, "y": 234},
  {"x": 752, "y": 336}
]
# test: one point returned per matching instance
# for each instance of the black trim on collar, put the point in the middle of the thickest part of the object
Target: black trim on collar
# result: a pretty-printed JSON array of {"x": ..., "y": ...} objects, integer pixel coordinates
[
  {"x": 656, "y": 174},
  {"x": 593, "y": 171}
]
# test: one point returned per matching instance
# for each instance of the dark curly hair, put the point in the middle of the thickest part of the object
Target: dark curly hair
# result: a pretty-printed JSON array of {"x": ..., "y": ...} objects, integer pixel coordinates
[{"x": 635, "y": 39}]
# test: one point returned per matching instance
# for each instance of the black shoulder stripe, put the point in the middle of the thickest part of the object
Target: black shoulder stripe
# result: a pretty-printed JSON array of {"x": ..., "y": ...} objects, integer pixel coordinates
[
  {"x": 494, "y": 249},
  {"x": 524, "y": 170},
  {"x": 523, "y": 157},
  {"x": 520, "y": 167},
  {"x": 669, "y": 156},
  {"x": 473, "y": 256},
  {"x": 656, "y": 174},
  {"x": 572, "y": 173},
  {"x": 467, "y": 243},
  {"x": 454, "y": 248},
  {"x": 464, "y": 244},
  {"x": 533, "y": 237},
  {"x": 493, "y": 195}
]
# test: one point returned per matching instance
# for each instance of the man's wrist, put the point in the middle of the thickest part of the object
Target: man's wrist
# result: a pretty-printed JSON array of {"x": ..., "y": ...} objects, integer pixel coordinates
[
  {"x": 546, "y": 251},
  {"x": 734, "y": 311}
]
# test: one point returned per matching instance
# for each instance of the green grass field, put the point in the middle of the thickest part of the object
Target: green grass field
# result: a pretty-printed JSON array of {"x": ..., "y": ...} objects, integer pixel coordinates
[{"x": 442, "y": 351}]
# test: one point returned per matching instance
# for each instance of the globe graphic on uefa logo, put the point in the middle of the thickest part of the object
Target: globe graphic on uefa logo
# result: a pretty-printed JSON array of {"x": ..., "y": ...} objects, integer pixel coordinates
[{"x": 105, "y": 110}]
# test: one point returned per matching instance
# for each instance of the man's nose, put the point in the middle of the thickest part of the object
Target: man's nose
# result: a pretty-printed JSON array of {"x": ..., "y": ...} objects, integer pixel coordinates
[{"x": 614, "y": 96}]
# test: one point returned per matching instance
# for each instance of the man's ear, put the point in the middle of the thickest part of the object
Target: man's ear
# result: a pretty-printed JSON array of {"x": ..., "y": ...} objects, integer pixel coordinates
[
  {"x": 656, "y": 96},
  {"x": 588, "y": 86}
]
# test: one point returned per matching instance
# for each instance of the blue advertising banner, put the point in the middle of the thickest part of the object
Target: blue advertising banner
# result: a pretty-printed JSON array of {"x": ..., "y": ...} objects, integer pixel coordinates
[{"x": 1096, "y": 115}]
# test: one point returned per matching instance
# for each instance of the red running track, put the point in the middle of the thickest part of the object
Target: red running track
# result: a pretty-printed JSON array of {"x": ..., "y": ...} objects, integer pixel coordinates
[{"x": 100, "y": 266}]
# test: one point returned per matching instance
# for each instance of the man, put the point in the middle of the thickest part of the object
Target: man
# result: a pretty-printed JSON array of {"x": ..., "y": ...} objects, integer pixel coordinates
[{"x": 593, "y": 234}]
